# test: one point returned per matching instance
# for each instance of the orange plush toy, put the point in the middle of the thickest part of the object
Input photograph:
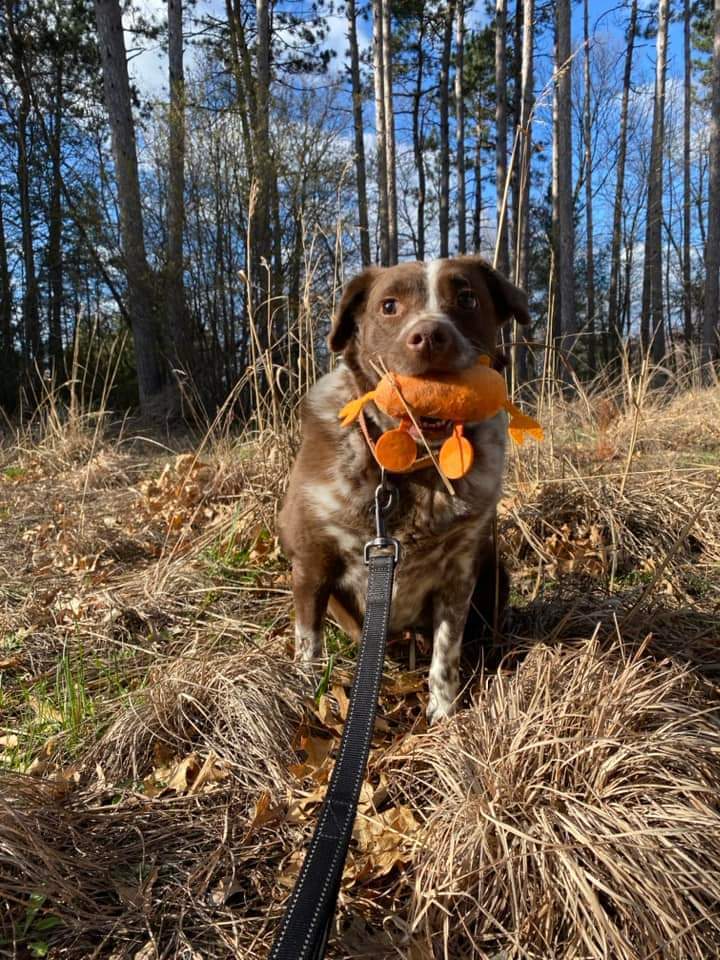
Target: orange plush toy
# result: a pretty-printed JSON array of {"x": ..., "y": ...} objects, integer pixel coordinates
[{"x": 465, "y": 397}]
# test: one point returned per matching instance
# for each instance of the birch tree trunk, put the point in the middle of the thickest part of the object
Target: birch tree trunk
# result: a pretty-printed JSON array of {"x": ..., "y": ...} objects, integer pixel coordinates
[
  {"x": 564, "y": 233},
  {"x": 140, "y": 294},
  {"x": 652, "y": 327},
  {"x": 389, "y": 133},
  {"x": 589, "y": 241},
  {"x": 503, "y": 254},
  {"x": 460, "y": 125},
  {"x": 615, "y": 324},
  {"x": 380, "y": 132},
  {"x": 444, "y": 110},
  {"x": 711, "y": 319},
  {"x": 174, "y": 288},
  {"x": 360, "y": 171}
]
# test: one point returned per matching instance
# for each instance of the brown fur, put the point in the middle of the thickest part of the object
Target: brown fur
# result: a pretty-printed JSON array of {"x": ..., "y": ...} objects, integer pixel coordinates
[{"x": 445, "y": 315}]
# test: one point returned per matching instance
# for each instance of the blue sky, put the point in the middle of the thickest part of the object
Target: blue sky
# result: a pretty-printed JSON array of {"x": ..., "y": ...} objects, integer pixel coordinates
[{"x": 607, "y": 20}]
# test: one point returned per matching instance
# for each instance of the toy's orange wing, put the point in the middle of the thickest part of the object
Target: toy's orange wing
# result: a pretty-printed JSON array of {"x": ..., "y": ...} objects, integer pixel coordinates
[
  {"x": 351, "y": 411},
  {"x": 521, "y": 423}
]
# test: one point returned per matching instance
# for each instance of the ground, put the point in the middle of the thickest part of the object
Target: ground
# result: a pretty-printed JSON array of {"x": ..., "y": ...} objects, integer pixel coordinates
[{"x": 162, "y": 760}]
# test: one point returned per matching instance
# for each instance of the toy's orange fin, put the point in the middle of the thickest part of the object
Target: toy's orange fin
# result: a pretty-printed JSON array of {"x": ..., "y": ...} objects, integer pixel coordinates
[
  {"x": 521, "y": 423},
  {"x": 396, "y": 450},
  {"x": 456, "y": 455},
  {"x": 351, "y": 411}
]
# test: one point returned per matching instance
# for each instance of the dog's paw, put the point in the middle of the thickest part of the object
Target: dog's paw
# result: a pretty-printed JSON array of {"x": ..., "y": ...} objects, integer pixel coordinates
[{"x": 438, "y": 709}]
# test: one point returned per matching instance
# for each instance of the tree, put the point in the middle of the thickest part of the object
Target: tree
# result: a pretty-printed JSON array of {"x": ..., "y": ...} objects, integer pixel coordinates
[
  {"x": 503, "y": 254},
  {"x": 589, "y": 241},
  {"x": 359, "y": 130},
  {"x": 389, "y": 114},
  {"x": 444, "y": 111},
  {"x": 652, "y": 326},
  {"x": 711, "y": 316},
  {"x": 174, "y": 288},
  {"x": 687, "y": 196},
  {"x": 381, "y": 132},
  {"x": 418, "y": 138},
  {"x": 30, "y": 302},
  {"x": 564, "y": 230},
  {"x": 140, "y": 293},
  {"x": 614, "y": 320},
  {"x": 460, "y": 125}
]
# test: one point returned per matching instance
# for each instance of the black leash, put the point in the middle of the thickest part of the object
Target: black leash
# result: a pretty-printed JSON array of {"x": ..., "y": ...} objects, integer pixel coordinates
[{"x": 308, "y": 916}]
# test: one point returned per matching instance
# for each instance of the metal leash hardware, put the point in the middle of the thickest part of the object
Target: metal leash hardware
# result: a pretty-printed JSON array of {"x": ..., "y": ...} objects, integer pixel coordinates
[
  {"x": 385, "y": 501},
  {"x": 305, "y": 927}
]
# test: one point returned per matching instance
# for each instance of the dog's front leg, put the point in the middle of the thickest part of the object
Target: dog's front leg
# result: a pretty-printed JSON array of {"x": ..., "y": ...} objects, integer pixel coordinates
[
  {"x": 450, "y": 610},
  {"x": 311, "y": 591}
]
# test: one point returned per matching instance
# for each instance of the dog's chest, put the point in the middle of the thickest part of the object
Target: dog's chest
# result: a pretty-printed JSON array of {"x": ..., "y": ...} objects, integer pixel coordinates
[{"x": 438, "y": 536}]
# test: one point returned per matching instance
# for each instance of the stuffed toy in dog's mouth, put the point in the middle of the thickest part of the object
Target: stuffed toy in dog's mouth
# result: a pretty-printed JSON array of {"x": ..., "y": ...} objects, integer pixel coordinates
[{"x": 437, "y": 406}]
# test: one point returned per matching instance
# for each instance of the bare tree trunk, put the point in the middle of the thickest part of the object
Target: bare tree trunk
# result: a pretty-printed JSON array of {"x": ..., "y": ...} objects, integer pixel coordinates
[
  {"x": 139, "y": 284},
  {"x": 444, "y": 109},
  {"x": 380, "y": 132},
  {"x": 174, "y": 290},
  {"x": 32, "y": 344},
  {"x": 516, "y": 114},
  {"x": 359, "y": 127},
  {"x": 687, "y": 198},
  {"x": 477, "y": 200},
  {"x": 527, "y": 103},
  {"x": 652, "y": 329},
  {"x": 522, "y": 228},
  {"x": 418, "y": 139},
  {"x": 260, "y": 228},
  {"x": 562, "y": 182},
  {"x": 503, "y": 258},
  {"x": 389, "y": 132},
  {"x": 7, "y": 366},
  {"x": 55, "y": 258},
  {"x": 614, "y": 321},
  {"x": 589, "y": 245},
  {"x": 711, "y": 319},
  {"x": 460, "y": 124}
]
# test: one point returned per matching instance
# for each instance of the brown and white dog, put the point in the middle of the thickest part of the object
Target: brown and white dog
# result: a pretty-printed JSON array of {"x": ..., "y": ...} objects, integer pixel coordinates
[{"x": 417, "y": 318}]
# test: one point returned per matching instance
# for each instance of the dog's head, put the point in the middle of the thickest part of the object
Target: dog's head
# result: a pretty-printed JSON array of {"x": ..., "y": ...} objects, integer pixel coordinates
[{"x": 420, "y": 318}]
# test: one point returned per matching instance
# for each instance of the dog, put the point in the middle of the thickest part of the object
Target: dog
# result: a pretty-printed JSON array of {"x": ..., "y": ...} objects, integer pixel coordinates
[{"x": 416, "y": 318}]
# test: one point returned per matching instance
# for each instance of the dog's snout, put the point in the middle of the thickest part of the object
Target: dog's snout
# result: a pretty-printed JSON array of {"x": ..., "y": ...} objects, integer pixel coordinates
[{"x": 428, "y": 337}]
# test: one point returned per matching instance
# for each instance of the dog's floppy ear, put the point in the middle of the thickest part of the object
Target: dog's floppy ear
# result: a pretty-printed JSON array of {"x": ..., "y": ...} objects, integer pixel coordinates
[
  {"x": 510, "y": 301},
  {"x": 353, "y": 299}
]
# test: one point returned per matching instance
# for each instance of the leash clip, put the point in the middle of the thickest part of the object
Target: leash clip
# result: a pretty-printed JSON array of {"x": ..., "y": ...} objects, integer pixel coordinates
[{"x": 386, "y": 496}]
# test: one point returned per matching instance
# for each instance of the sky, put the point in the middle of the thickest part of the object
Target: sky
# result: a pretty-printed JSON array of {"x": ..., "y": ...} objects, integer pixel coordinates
[{"x": 148, "y": 65}]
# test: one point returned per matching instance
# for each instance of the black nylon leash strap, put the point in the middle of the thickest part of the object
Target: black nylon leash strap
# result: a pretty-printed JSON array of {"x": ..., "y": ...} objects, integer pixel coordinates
[{"x": 308, "y": 916}]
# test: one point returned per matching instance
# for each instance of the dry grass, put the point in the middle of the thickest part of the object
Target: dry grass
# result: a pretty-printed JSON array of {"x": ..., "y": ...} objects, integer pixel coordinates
[
  {"x": 163, "y": 761},
  {"x": 572, "y": 812}
]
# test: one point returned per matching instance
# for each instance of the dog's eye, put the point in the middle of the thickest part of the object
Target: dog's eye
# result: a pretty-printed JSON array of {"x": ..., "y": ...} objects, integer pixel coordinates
[
  {"x": 467, "y": 300},
  {"x": 389, "y": 307}
]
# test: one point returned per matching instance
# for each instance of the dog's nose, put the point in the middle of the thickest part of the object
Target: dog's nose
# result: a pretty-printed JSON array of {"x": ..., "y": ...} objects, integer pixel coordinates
[{"x": 427, "y": 338}]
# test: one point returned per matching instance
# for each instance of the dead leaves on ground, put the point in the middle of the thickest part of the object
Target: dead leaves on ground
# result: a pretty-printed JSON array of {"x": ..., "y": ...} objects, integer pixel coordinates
[{"x": 385, "y": 833}]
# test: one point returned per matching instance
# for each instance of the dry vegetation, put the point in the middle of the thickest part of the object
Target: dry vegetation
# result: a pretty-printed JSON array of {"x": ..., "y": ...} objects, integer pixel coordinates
[{"x": 162, "y": 760}]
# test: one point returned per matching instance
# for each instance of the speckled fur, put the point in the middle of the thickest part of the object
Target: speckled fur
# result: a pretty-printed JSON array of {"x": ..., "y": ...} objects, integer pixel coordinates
[{"x": 327, "y": 518}]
